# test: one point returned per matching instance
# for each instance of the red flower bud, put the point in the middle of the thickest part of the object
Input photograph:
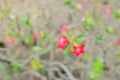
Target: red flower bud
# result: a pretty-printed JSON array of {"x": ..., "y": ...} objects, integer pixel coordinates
[{"x": 35, "y": 37}]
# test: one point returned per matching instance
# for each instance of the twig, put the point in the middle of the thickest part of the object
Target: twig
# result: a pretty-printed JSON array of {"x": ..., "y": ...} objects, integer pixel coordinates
[
  {"x": 69, "y": 74},
  {"x": 35, "y": 74}
]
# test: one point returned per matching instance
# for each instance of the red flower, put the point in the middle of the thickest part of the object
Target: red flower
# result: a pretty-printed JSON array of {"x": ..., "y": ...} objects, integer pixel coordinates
[
  {"x": 65, "y": 28},
  {"x": 63, "y": 41},
  {"x": 78, "y": 50},
  {"x": 35, "y": 37}
]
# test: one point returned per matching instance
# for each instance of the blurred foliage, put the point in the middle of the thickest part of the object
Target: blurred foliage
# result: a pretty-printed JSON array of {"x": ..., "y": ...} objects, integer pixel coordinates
[
  {"x": 100, "y": 37},
  {"x": 110, "y": 30},
  {"x": 89, "y": 23},
  {"x": 97, "y": 69},
  {"x": 68, "y": 2},
  {"x": 26, "y": 20},
  {"x": 79, "y": 39},
  {"x": 28, "y": 39},
  {"x": 36, "y": 65},
  {"x": 117, "y": 14},
  {"x": 118, "y": 54},
  {"x": 4, "y": 11},
  {"x": 67, "y": 51}
]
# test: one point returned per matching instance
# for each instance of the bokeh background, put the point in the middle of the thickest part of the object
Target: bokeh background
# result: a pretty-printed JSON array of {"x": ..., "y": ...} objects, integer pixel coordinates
[{"x": 50, "y": 16}]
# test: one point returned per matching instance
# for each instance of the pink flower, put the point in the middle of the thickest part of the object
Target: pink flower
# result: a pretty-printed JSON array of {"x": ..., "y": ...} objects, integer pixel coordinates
[
  {"x": 78, "y": 50},
  {"x": 10, "y": 40},
  {"x": 118, "y": 41},
  {"x": 65, "y": 28},
  {"x": 108, "y": 11},
  {"x": 82, "y": 19},
  {"x": 63, "y": 41}
]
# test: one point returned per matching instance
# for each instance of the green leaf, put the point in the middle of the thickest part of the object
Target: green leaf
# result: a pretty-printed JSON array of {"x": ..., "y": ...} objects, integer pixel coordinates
[
  {"x": 117, "y": 14},
  {"x": 94, "y": 76},
  {"x": 16, "y": 36},
  {"x": 36, "y": 65},
  {"x": 73, "y": 11},
  {"x": 100, "y": 23},
  {"x": 89, "y": 27},
  {"x": 16, "y": 67},
  {"x": 79, "y": 39},
  {"x": 7, "y": 71},
  {"x": 37, "y": 48},
  {"x": 28, "y": 39},
  {"x": 91, "y": 76},
  {"x": 98, "y": 65},
  {"x": 97, "y": 69},
  {"x": 110, "y": 30},
  {"x": 89, "y": 23},
  {"x": 100, "y": 37},
  {"x": 26, "y": 20},
  {"x": 68, "y": 35},
  {"x": 118, "y": 54},
  {"x": 89, "y": 19},
  {"x": 85, "y": 57},
  {"x": 1, "y": 69},
  {"x": 66, "y": 52},
  {"x": 68, "y": 2}
]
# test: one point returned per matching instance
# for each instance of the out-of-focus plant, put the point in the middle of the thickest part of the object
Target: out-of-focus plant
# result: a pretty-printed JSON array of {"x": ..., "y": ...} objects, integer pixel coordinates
[
  {"x": 89, "y": 23},
  {"x": 85, "y": 57},
  {"x": 16, "y": 68},
  {"x": 11, "y": 69},
  {"x": 68, "y": 2},
  {"x": 36, "y": 49},
  {"x": 110, "y": 30},
  {"x": 118, "y": 54},
  {"x": 36, "y": 65},
  {"x": 28, "y": 39},
  {"x": 26, "y": 20},
  {"x": 97, "y": 69},
  {"x": 4, "y": 11},
  {"x": 98, "y": 21},
  {"x": 100, "y": 37},
  {"x": 73, "y": 11},
  {"x": 117, "y": 14}
]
